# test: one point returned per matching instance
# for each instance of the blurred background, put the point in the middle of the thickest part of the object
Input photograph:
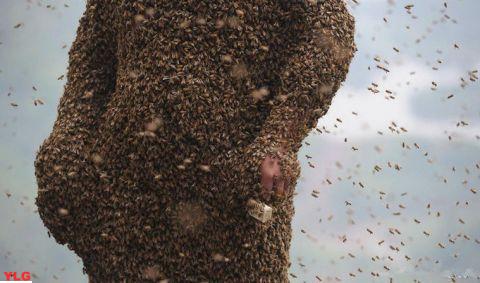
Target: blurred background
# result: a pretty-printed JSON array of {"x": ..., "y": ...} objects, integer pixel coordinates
[{"x": 390, "y": 185}]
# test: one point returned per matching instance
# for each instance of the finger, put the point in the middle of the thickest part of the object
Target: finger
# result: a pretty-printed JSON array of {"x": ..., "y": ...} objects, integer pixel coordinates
[
  {"x": 267, "y": 187},
  {"x": 277, "y": 168},
  {"x": 267, "y": 182},
  {"x": 268, "y": 166},
  {"x": 274, "y": 178},
  {"x": 280, "y": 188}
]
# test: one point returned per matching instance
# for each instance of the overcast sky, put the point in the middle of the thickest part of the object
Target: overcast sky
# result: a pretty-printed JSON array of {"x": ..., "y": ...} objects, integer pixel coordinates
[{"x": 420, "y": 126}]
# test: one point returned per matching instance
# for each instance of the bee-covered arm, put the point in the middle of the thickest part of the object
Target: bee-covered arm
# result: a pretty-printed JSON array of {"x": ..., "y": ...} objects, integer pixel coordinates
[
  {"x": 91, "y": 77},
  {"x": 314, "y": 71}
]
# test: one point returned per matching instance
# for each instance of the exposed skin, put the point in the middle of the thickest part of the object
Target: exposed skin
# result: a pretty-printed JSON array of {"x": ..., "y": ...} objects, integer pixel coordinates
[
  {"x": 162, "y": 135},
  {"x": 273, "y": 181}
]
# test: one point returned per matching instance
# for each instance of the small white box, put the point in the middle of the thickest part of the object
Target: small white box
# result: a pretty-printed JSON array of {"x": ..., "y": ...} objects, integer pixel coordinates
[{"x": 259, "y": 210}]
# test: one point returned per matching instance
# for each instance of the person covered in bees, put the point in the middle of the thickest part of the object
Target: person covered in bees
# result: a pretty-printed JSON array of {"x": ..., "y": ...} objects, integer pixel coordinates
[{"x": 174, "y": 152}]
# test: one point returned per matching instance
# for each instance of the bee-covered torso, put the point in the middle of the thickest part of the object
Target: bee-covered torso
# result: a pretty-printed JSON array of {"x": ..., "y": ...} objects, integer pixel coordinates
[{"x": 135, "y": 176}]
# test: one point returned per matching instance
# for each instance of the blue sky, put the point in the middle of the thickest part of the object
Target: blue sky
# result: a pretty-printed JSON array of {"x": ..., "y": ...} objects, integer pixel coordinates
[{"x": 441, "y": 173}]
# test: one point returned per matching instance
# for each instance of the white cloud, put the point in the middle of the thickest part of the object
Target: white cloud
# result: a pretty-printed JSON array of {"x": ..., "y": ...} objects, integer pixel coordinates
[{"x": 375, "y": 113}]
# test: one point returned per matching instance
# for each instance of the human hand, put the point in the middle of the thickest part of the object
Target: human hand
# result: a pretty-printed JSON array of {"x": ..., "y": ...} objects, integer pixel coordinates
[{"x": 272, "y": 180}]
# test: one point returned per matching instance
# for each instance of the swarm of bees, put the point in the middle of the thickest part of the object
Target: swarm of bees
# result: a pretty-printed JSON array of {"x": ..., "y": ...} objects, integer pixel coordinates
[{"x": 153, "y": 159}]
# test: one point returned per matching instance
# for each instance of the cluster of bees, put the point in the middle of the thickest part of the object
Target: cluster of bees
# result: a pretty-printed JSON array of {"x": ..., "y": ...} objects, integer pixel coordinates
[
  {"x": 167, "y": 112},
  {"x": 152, "y": 165}
]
